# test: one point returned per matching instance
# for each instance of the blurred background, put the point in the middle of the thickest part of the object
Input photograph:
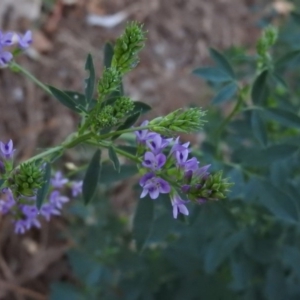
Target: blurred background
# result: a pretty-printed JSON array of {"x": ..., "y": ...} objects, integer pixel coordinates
[{"x": 47, "y": 263}]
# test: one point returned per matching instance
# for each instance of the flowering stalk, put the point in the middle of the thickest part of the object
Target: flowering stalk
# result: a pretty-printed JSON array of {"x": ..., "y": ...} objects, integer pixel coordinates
[{"x": 164, "y": 163}]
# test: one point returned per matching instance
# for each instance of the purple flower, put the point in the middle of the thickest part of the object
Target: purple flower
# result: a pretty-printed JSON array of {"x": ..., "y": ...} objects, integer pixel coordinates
[
  {"x": 8, "y": 203},
  {"x": 143, "y": 135},
  {"x": 154, "y": 186},
  {"x": 201, "y": 200},
  {"x": 5, "y": 58},
  {"x": 6, "y": 39},
  {"x": 154, "y": 162},
  {"x": 156, "y": 143},
  {"x": 202, "y": 172},
  {"x": 29, "y": 220},
  {"x": 5, "y": 206},
  {"x": 76, "y": 187},
  {"x": 180, "y": 147},
  {"x": 179, "y": 206},
  {"x": 32, "y": 222},
  {"x": 47, "y": 210},
  {"x": 57, "y": 199},
  {"x": 186, "y": 188},
  {"x": 181, "y": 157},
  {"x": 30, "y": 211},
  {"x": 7, "y": 149},
  {"x": 191, "y": 164},
  {"x": 183, "y": 161},
  {"x": 58, "y": 181},
  {"x": 26, "y": 40},
  {"x": 20, "y": 226}
]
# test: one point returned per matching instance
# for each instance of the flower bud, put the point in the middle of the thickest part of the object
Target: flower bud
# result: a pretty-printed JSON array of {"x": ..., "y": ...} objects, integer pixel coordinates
[
  {"x": 27, "y": 179},
  {"x": 127, "y": 47},
  {"x": 187, "y": 121},
  {"x": 109, "y": 82}
]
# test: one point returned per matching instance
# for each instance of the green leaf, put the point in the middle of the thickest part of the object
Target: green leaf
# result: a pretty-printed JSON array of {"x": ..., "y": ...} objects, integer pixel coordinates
[
  {"x": 283, "y": 117},
  {"x": 142, "y": 222},
  {"x": 1, "y": 182},
  {"x": 280, "y": 204},
  {"x": 241, "y": 272},
  {"x": 130, "y": 149},
  {"x": 226, "y": 93},
  {"x": 212, "y": 74},
  {"x": 112, "y": 176},
  {"x": 63, "y": 291},
  {"x": 269, "y": 155},
  {"x": 77, "y": 98},
  {"x": 80, "y": 101},
  {"x": 130, "y": 121},
  {"x": 222, "y": 62},
  {"x": 258, "y": 128},
  {"x": 114, "y": 158},
  {"x": 64, "y": 99},
  {"x": 43, "y": 191},
  {"x": 291, "y": 258},
  {"x": 91, "y": 177},
  {"x": 259, "y": 91},
  {"x": 220, "y": 249},
  {"x": 141, "y": 107},
  {"x": 279, "y": 80},
  {"x": 90, "y": 81},
  {"x": 287, "y": 59},
  {"x": 275, "y": 287},
  {"x": 108, "y": 54},
  {"x": 85, "y": 266}
]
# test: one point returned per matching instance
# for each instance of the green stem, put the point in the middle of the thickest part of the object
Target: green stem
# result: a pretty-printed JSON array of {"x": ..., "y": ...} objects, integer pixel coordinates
[
  {"x": 65, "y": 145},
  {"x": 105, "y": 136},
  {"x": 236, "y": 109},
  {"x": 16, "y": 67},
  {"x": 45, "y": 153},
  {"x": 74, "y": 142},
  {"x": 118, "y": 150},
  {"x": 126, "y": 154},
  {"x": 231, "y": 115}
]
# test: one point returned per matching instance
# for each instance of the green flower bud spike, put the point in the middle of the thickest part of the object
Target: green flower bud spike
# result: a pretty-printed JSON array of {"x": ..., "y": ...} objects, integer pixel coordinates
[
  {"x": 127, "y": 46},
  {"x": 186, "y": 121},
  {"x": 109, "y": 82},
  {"x": 105, "y": 118},
  {"x": 27, "y": 179},
  {"x": 122, "y": 107},
  {"x": 110, "y": 115},
  {"x": 265, "y": 42},
  {"x": 216, "y": 187}
]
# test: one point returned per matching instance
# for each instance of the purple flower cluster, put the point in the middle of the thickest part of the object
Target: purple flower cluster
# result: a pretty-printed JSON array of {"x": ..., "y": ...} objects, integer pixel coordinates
[
  {"x": 23, "y": 210},
  {"x": 7, "y": 40},
  {"x": 168, "y": 170}
]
